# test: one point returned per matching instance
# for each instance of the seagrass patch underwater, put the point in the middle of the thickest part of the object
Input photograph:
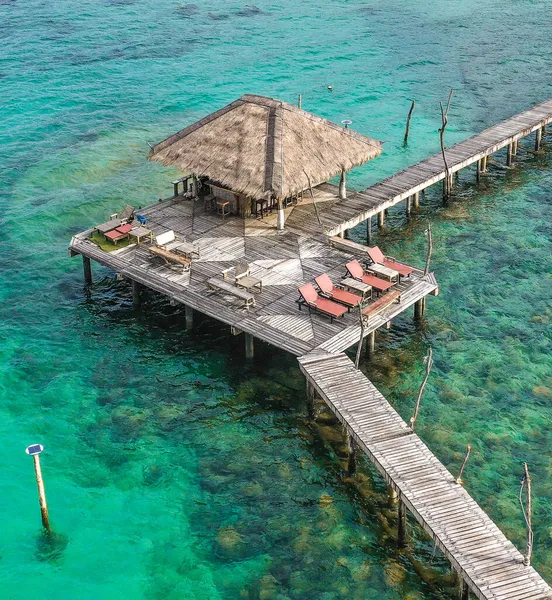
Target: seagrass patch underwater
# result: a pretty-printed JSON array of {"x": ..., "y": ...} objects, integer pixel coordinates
[{"x": 173, "y": 469}]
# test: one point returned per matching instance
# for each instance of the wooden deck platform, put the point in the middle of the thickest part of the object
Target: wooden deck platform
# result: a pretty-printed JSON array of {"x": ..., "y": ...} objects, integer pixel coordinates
[
  {"x": 336, "y": 216},
  {"x": 282, "y": 260},
  {"x": 486, "y": 560}
]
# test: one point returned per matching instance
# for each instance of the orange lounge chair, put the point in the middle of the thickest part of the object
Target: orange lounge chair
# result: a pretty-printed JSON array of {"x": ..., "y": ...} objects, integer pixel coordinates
[
  {"x": 357, "y": 272},
  {"x": 309, "y": 297},
  {"x": 377, "y": 256},
  {"x": 332, "y": 292}
]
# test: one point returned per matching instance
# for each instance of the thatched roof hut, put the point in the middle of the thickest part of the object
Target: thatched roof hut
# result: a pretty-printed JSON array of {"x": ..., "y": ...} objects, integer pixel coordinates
[{"x": 260, "y": 147}]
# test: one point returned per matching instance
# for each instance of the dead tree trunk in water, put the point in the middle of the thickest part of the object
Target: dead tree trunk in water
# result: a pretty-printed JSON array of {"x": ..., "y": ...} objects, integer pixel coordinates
[
  {"x": 429, "y": 363},
  {"x": 444, "y": 123},
  {"x": 408, "y": 122}
]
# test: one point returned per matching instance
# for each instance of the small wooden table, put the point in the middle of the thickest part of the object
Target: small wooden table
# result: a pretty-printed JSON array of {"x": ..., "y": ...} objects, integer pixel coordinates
[
  {"x": 383, "y": 272},
  {"x": 249, "y": 283},
  {"x": 139, "y": 233},
  {"x": 363, "y": 289}
]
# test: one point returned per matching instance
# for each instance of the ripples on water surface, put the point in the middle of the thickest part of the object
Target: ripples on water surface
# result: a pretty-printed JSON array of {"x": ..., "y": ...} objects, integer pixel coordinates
[{"x": 173, "y": 469}]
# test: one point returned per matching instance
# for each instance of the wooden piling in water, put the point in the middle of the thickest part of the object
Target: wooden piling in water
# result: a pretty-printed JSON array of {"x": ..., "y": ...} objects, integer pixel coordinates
[
  {"x": 189, "y": 316},
  {"x": 408, "y": 206},
  {"x": 351, "y": 460},
  {"x": 510, "y": 154},
  {"x": 370, "y": 344},
  {"x": 381, "y": 219},
  {"x": 538, "y": 139},
  {"x": 369, "y": 230},
  {"x": 401, "y": 528},
  {"x": 416, "y": 200},
  {"x": 311, "y": 398},
  {"x": 464, "y": 591},
  {"x": 87, "y": 268},
  {"x": 249, "y": 346},
  {"x": 135, "y": 293},
  {"x": 419, "y": 308}
]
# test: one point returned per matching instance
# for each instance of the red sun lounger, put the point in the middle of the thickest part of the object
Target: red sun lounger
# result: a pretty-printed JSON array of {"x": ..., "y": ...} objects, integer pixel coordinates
[
  {"x": 357, "y": 272},
  {"x": 329, "y": 290},
  {"x": 377, "y": 256},
  {"x": 311, "y": 299}
]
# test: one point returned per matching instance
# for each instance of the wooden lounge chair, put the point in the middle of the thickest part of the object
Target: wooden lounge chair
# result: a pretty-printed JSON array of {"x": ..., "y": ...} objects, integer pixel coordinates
[
  {"x": 171, "y": 258},
  {"x": 309, "y": 297},
  {"x": 167, "y": 240},
  {"x": 224, "y": 286},
  {"x": 381, "y": 303},
  {"x": 116, "y": 220},
  {"x": 377, "y": 256},
  {"x": 329, "y": 290},
  {"x": 355, "y": 270},
  {"x": 242, "y": 277}
]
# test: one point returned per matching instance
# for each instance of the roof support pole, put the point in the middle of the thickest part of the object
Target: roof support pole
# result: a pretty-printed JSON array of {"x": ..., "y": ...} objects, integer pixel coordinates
[
  {"x": 342, "y": 186},
  {"x": 281, "y": 218}
]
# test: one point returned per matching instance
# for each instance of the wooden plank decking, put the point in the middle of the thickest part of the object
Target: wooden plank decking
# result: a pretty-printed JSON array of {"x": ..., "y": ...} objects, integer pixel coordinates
[
  {"x": 282, "y": 261},
  {"x": 487, "y": 561},
  {"x": 360, "y": 206}
]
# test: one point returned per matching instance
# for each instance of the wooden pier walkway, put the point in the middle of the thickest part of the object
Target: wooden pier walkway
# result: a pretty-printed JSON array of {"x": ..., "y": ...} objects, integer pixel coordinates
[
  {"x": 360, "y": 206},
  {"x": 488, "y": 563}
]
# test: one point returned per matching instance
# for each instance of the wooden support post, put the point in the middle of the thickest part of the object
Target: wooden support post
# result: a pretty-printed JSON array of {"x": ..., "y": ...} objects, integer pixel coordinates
[
  {"x": 342, "y": 234},
  {"x": 300, "y": 101},
  {"x": 311, "y": 398},
  {"x": 175, "y": 188},
  {"x": 510, "y": 154},
  {"x": 401, "y": 529},
  {"x": 515, "y": 147},
  {"x": 387, "y": 325},
  {"x": 370, "y": 344},
  {"x": 419, "y": 309},
  {"x": 189, "y": 315},
  {"x": 369, "y": 230},
  {"x": 485, "y": 160},
  {"x": 249, "y": 346},
  {"x": 351, "y": 461},
  {"x": 416, "y": 200},
  {"x": 538, "y": 139},
  {"x": 408, "y": 206},
  {"x": 464, "y": 590},
  {"x": 479, "y": 169},
  {"x": 135, "y": 293},
  {"x": 392, "y": 496},
  {"x": 381, "y": 219},
  {"x": 87, "y": 267}
]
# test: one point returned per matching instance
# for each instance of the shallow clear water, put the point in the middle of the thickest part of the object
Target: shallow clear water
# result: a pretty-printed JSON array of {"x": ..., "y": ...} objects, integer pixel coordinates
[{"x": 173, "y": 469}]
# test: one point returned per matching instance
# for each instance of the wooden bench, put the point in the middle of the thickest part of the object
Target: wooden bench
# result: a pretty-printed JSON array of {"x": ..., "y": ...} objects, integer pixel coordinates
[
  {"x": 171, "y": 257},
  {"x": 348, "y": 245},
  {"x": 381, "y": 303},
  {"x": 224, "y": 286}
]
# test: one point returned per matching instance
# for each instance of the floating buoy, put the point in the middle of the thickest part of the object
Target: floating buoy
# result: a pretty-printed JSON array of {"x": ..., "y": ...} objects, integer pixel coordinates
[{"x": 330, "y": 88}]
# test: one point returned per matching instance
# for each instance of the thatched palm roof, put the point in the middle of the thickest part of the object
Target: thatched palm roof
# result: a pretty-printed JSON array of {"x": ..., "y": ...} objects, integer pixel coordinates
[{"x": 259, "y": 147}]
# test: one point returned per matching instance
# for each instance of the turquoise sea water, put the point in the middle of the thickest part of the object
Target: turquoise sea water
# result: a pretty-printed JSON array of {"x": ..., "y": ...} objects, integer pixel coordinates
[{"x": 173, "y": 469}]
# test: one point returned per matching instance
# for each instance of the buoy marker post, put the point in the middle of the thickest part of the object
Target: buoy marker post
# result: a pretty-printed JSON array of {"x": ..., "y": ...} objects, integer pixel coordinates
[{"x": 34, "y": 450}]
